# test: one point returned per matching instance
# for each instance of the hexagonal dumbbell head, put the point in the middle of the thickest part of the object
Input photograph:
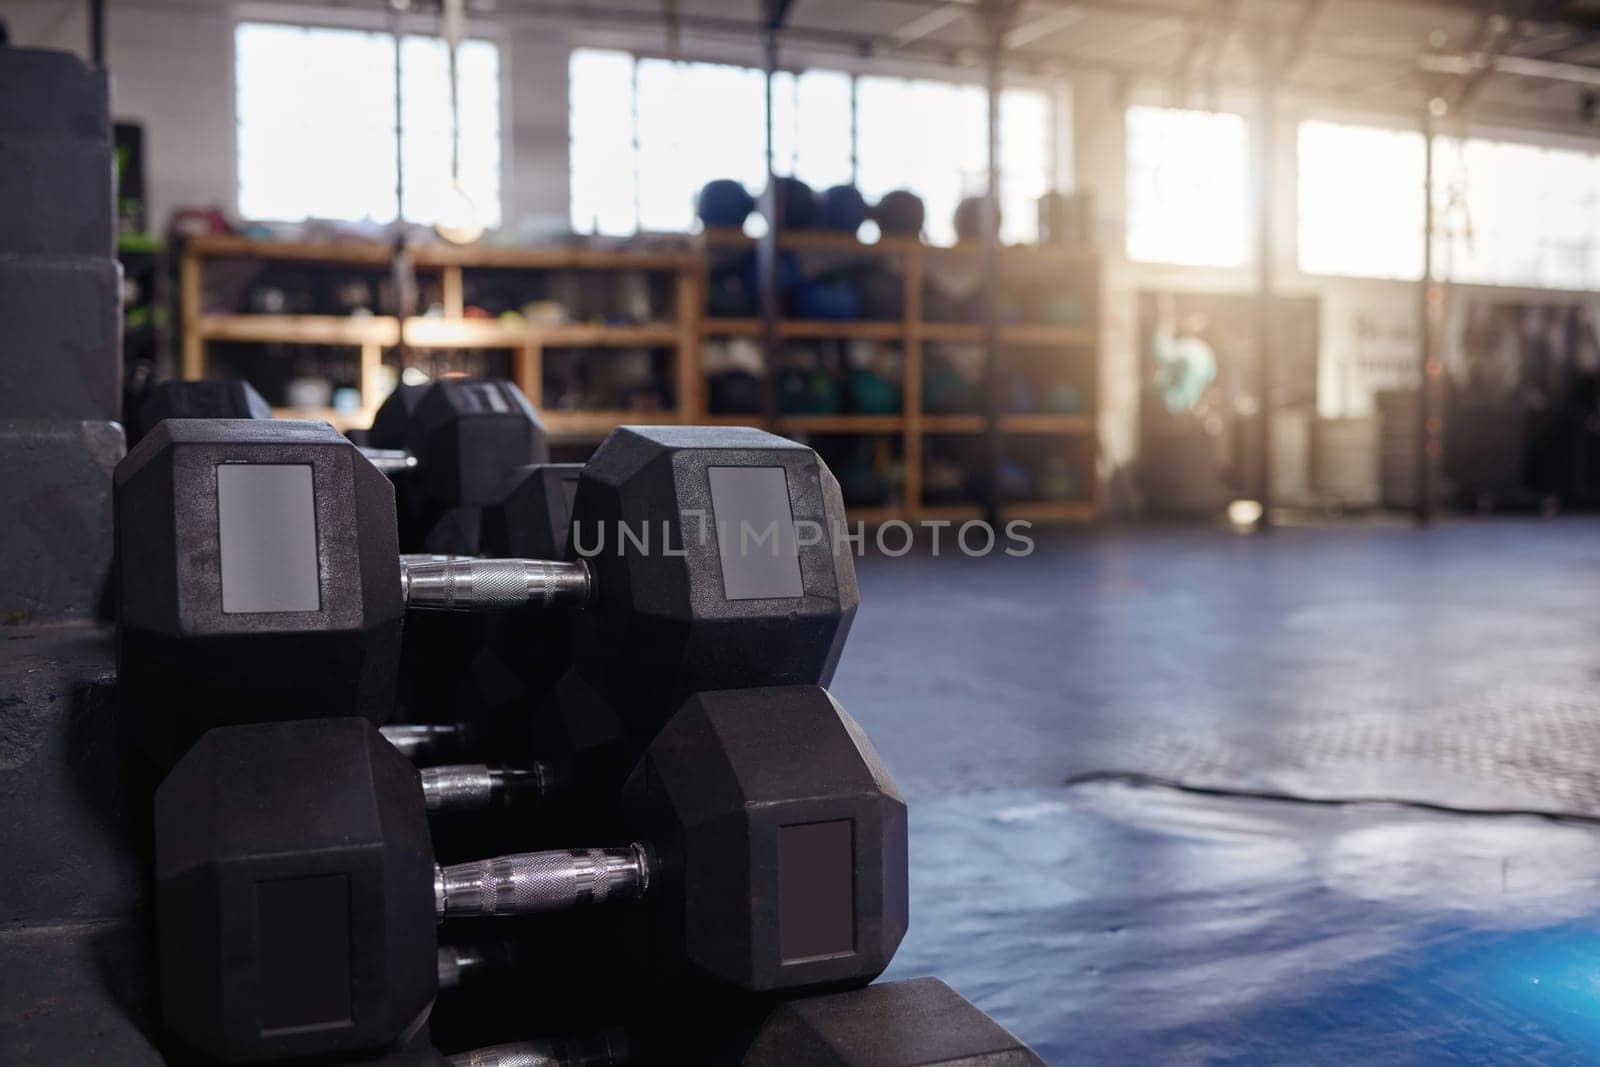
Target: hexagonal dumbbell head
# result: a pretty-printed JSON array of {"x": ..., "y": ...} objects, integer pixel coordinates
[
  {"x": 780, "y": 838},
  {"x": 718, "y": 562},
  {"x": 213, "y": 399},
  {"x": 468, "y": 437},
  {"x": 257, "y": 578},
  {"x": 391, "y": 423},
  {"x": 533, "y": 513},
  {"x": 523, "y": 653},
  {"x": 294, "y": 891}
]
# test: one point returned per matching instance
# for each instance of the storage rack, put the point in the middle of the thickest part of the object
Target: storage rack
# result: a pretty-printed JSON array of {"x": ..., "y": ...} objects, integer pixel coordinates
[
  {"x": 371, "y": 335},
  {"x": 913, "y": 426},
  {"x": 526, "y": 342}
]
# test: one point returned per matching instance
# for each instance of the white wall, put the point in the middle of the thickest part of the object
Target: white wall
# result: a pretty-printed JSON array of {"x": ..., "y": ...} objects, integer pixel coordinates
[{"x": 171, "y": 69}]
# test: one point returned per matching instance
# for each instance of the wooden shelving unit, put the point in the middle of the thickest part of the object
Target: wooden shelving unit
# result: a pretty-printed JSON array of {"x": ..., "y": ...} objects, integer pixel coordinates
[
  {"x": 912, "y": 427},
  {"x": 526, "y": 342},
  {"x": 371, "y": 336}
]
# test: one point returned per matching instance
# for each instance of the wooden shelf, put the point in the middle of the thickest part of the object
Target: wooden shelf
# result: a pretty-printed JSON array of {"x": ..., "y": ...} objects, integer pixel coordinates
[
  {"x": 379, "y": 253},
  {"x": 832, "y": 241},
  {"x": 437, "y": 332},
  {"x": 725, "y": 327},
  {"x": 576, "y": 258},
  {"x": 1064, "y": 336},
  {"x": 724, "y": 237},
  {"x": 232, "y": 246},
  {"x": 1046, "y": 423},
  {"x": 589, "y": 335},
  {"x": 955, "y": 332},
  {"x": 826, "y": 241},
  {"x": 753, "y": 419},
  {"x": 952, "y": 424},
  {"x": 427, "y": 332},
  {"x": 298, "y": 329},
  {"x": 810, "y": 241},
  {"x": 340, "y": 420},
  {"x": 826, "y": 329},
  {"x": 1042, "y": 424},
  {"x": 1016, "y": 334},
  {"x": 842, "y": 423},
  {"x": 808, "y": 329},
  {"x": 586, "y": 424},
  {"x": 1085, "y": 255}
]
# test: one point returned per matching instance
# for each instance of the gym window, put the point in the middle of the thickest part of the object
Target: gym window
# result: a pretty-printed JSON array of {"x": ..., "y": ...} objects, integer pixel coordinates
[
  {"x": 1360, "y": 201},
  {"x": 1188, "y": 187},
  {"x": 1505, "y": 213},
  {"x": 641, "y": 145},
  {"x": 1517, "y": 214},
  {"x": 315, "y": 118}
]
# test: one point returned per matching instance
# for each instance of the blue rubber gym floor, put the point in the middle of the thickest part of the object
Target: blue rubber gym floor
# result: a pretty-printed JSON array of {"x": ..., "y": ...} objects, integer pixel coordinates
[{"x": 1111, "y": 749}]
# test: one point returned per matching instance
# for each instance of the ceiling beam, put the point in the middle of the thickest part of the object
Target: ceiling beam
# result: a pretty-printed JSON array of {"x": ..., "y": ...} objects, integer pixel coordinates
[
  {"x": 1516, "y": 66},
  {"x": 928, "y": 23},
  {"x": 1041, "y": 26}
]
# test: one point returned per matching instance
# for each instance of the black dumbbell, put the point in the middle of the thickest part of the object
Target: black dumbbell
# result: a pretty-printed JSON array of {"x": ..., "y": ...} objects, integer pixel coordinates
[
  {"x": 451, "y": 446},
  {"x": 259, "y": 574},
  {"x": 205, "y": 399},
  {"x": 454, "y": 448},
  {"x": 531, "y": 519},
  {"x": 716, "y": 557},
  {"x": 297, "y": 892},
  {"x": 457, "y": 441}
]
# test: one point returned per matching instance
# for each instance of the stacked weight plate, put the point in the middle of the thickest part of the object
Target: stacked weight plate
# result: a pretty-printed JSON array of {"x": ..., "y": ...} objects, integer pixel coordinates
[{"x": 60, "y": 348}]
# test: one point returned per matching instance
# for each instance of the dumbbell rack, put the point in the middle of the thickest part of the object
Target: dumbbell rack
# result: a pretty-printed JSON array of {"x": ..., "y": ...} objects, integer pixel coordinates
[
  {"x": 372, "y": 334},
  {"x": 912, "y": 332}
]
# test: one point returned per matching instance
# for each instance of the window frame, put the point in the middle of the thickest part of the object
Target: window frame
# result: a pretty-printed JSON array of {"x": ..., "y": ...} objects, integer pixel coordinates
[
  {"x": 363, "y": 22},
  {"x": 1542, "y": 140},
  {"x": 1057, "y": 106},
  {"x": 1250, "y": 128}
]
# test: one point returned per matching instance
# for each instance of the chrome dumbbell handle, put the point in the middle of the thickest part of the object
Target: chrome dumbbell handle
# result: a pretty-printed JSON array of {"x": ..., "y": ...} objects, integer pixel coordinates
[
  {"x": 475, "y": 786},
  {"x": 466, "y": 584},
  {"x": 541, "y": 881}
]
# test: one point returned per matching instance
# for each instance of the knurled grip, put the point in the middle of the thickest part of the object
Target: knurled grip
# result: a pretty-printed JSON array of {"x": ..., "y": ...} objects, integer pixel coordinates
[
  {"x": 541, "y": 881},
  {"x": 466, "y": 584},
  {"x": 521, "y": 1054}
]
